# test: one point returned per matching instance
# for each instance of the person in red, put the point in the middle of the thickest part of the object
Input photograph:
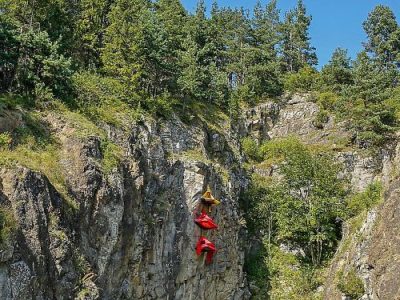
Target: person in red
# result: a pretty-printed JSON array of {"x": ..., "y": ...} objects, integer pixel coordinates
[{"x": 204, "y": 245}]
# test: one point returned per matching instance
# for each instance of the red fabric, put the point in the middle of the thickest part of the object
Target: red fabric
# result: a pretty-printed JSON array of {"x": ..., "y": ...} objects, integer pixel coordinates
[
  {"x": 205, "y": 222},
  {"x": 204, "y": 245}
]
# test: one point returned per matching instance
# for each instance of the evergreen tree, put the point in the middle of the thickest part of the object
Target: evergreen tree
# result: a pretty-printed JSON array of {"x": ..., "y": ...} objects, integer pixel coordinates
[
  {"x": 56, "y": 17},
  {"x": 172, "y": 16},
  {"x": 295, "y": 46},
  {"x": 263, "y": 77},
  {"x": 198, "y": 59},
  {"x": 89, "y": 32},
  {"x": 371, "y": 83},
  {"x": 337, "y": 73},
  {"x": 383, "y": 35},
  {"x": 136, "y": 48},
  {"x": 41, "y": 69},
  {"x": 8, "y": 53}
]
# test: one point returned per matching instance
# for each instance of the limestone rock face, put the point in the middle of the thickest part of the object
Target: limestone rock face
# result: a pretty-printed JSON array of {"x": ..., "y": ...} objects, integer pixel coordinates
[{"x": 127, "y": 233}]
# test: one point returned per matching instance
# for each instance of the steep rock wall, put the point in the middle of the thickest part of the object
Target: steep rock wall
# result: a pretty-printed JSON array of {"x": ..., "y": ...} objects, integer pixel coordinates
[{"x": 130, "y": 233}]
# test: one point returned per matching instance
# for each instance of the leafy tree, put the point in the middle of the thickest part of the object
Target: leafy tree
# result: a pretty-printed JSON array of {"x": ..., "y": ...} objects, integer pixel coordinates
[
  {"x": 295, "y": 47},
  {"x": 310, "y": 200},
  {"x": 337, "y": 73},
  {"x": 383, "y": 35}
]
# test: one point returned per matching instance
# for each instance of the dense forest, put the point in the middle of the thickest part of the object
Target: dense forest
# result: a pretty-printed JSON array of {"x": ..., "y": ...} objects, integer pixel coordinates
[
  {"x": 102, "y": 58},
  {"x": 154, "y": 56}
]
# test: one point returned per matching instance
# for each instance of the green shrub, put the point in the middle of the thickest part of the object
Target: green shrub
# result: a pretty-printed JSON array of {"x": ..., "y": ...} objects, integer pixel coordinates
[
  {"x": 5, "y": 140},
  {"x": 306, "y": 80},
  {"x": 365, "y": 200},
  {"x": 327, "y": 100},
  {"x": 104, "y": 99},
  {"x": 7, "y": 223},
  {"x": 251, "y": 149},
  {"x": 162, "y": 105},
  {"x": 351, "y": 285},
  {"x": 321, "y": 118}
]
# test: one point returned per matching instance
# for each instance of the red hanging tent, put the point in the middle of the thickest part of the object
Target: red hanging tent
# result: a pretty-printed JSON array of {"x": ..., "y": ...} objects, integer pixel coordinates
[
  {"x": 205, "y": 222},
  {"x": 204, "y": 245}
]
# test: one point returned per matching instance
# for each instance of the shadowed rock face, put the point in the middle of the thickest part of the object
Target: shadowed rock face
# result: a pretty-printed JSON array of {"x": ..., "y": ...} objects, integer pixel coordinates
[{"x": 132, "y": 235}]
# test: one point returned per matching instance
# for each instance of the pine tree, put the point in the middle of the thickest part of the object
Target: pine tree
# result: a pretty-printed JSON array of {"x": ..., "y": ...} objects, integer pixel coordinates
[
  {"x": 263, "y": 77},
  {"x": 136, "y": 48},
  {"x": 8, "y": 53},
  {"x": 295, "y": 47},
  {"x": 371, "y": 83},
  {"x": 337, "y": 73},
  {"x": 200, "y": 73},
  {"x": 383, "y": 35},
  {"x": 89, "y": 33},
  {"x": 56, "y": 17},
  {"x": 172, "y": 17}
]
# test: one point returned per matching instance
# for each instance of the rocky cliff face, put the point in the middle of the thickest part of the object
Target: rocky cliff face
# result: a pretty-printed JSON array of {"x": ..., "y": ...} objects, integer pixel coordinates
[{"x": 127, "y": 233}]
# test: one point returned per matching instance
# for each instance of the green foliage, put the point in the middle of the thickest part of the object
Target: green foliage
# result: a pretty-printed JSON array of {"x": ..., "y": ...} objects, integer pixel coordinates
[
  {"x": 251, "y": 148},
  {"x": 295, "y": 44},
  {"x": 5, "y": 140},
  {"x": 89, "y": 32},
  {"x": 7, "y": 224},
  {"x": 351, "y": 284},
  {"x": 112, "y": 156},
  {"x": 383, "y": 35},
  {"x": 337, "y": 73},
  {"x": 371, "y": 82},
  {"x": 306, "y": 80},
  {"x": 291, "y": 279},
  {"x": 327, "y": 100},
  {"x": 8, "y": 54},
  {"x": 321, "y": 118},
  {"x": 136, "y": 49},
  {"x": 104, "y": 99},
  {"x": 257, "y": 271},
  {"x": 310, "y": 198},
  {"x": 365, "y": 200},
  {"x": 37, "y": 68}
]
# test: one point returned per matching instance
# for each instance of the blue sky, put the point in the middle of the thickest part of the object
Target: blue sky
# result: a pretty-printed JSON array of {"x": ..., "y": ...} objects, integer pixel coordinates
[{"x": 336, "y": 23}]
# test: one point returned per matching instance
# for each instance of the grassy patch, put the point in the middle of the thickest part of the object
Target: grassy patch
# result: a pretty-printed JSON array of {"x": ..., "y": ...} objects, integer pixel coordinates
[
  {"x": 45, "y": 160},
  {"x": 112, "y": 156},
  {"x": 11, "y": 101},
  {"x": 351, "y": 284},
  {"x": 8, "y": 224}
]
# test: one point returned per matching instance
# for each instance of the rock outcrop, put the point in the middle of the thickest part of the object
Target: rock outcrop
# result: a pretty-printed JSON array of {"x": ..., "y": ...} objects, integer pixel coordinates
[
  {"x": 127, "y": 233},
  {"x": 122, "y": 228}
]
